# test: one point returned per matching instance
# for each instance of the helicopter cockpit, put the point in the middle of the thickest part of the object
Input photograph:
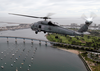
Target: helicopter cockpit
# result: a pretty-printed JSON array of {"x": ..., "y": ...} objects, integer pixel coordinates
[{"x": 52, "y": 24}]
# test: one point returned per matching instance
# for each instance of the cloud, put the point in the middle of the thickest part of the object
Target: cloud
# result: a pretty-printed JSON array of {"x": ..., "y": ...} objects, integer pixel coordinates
[{"x": 42, "y": 7}]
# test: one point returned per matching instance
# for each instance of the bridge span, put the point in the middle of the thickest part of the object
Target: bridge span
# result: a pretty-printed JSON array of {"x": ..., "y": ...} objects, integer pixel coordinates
[
  {"x": 27, "y": 38},
  {"x": 34, "y": 39}
]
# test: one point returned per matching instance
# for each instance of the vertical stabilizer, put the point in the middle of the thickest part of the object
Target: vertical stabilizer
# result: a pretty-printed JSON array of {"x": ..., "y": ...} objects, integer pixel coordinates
[
  {"x": 84, "y": 28},
  {"x": 89, "y": 21}
]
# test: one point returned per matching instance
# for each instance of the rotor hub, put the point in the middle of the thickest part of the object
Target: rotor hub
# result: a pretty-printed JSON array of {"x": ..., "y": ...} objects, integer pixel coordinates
[{"x": 88, "y": 22}]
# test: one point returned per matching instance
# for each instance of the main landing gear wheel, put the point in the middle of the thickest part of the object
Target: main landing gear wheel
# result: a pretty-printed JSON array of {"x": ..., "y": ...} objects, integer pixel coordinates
[
  {"x": 44, "y": 31},
  {"x": 36, "y": 32}
]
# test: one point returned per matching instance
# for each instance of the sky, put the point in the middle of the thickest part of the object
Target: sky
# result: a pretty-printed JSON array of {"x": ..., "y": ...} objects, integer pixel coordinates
[{"x": 61, "y": 8}]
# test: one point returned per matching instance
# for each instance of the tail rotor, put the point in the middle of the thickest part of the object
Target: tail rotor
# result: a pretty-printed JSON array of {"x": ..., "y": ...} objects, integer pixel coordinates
[{"x": 89, "y": 20}]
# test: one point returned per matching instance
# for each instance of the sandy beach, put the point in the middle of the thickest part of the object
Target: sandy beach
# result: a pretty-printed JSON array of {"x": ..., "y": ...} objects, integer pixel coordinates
[{"x": 70, "y": 50}]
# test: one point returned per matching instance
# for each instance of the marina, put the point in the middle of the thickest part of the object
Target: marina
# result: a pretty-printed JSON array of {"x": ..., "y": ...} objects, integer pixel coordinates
[{"x": 28, "y": 57}]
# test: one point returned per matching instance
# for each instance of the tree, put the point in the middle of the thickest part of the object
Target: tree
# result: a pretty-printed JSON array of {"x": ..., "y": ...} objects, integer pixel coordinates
[
  {"x": 88, "y": 37},
  {"x": 97, "y": 55}
]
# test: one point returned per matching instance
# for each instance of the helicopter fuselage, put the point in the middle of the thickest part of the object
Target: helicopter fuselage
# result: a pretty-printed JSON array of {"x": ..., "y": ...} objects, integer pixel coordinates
[{"x": 52, "y": 28}]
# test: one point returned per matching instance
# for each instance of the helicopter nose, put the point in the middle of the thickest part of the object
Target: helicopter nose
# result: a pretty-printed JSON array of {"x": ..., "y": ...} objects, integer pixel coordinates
[{"x": 32, "y": 27}]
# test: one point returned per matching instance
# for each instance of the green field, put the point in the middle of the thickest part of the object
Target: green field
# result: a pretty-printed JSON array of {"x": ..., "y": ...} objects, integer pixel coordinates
[{"x": 86, "y": 40}]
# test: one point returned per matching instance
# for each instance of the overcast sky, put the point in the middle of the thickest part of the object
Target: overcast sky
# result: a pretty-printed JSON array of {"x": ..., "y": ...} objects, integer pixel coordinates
[{"x": 61, "y": 8}]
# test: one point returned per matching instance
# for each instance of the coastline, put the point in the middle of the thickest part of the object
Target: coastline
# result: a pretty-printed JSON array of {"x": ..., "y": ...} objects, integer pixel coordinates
[
  {"x": 77, "y": 53},
  {"x": 70, "y": 50}
]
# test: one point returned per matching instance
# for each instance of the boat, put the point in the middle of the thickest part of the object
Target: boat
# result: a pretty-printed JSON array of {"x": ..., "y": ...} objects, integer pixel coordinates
[{"x": 16, "y": 69}]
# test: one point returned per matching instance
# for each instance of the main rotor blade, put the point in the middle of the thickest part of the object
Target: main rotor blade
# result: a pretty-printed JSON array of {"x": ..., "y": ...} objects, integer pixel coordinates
[
  {"x": 50, "y": 14},
  {"x": 13, "y": 22},
  {"x": 84, "y": 17},
  {"x": 25, "y": 15},
  {"x": 92, "y": 15}
]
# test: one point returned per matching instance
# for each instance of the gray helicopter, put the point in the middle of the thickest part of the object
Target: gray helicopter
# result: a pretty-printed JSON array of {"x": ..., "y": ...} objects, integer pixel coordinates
[{"x": 48, "y": 26}]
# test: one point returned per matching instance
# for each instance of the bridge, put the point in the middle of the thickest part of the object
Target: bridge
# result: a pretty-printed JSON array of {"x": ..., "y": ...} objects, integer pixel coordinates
[
  {"x": 40, "y": 40},
  {"x": 15, "y": 37},
  {"x": 34, "y": 39}
]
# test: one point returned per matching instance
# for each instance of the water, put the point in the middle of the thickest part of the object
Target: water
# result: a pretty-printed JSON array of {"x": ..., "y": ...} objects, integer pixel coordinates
[{"x": 45, "y": 58}]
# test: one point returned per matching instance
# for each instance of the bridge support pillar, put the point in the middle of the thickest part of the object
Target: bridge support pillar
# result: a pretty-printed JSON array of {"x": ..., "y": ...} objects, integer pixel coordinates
[
  {"x": 46, "y": 43},
  {"x": 32, "y": 41},
  {"x": 23, "y": 40},
  {"x": 7, "y": 40},
  {"x": 40, "y": 42},
  {"x": 15, "y": 40}
]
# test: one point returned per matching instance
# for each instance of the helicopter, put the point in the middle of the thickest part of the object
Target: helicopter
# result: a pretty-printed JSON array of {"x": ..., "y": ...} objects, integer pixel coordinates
[{"x": 49, "y": 27}]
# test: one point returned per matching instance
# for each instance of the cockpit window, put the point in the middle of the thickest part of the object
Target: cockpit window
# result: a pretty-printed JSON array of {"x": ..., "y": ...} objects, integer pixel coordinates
[
  {"x": 39, "y": 26},
  {"x": 50, "y": 23}
]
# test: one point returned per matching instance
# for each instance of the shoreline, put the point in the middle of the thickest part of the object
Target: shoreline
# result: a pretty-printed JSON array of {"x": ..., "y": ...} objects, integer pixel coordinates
[
  {"x": 77, "y": 53},
  {"x": 70, "y": 50}
]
